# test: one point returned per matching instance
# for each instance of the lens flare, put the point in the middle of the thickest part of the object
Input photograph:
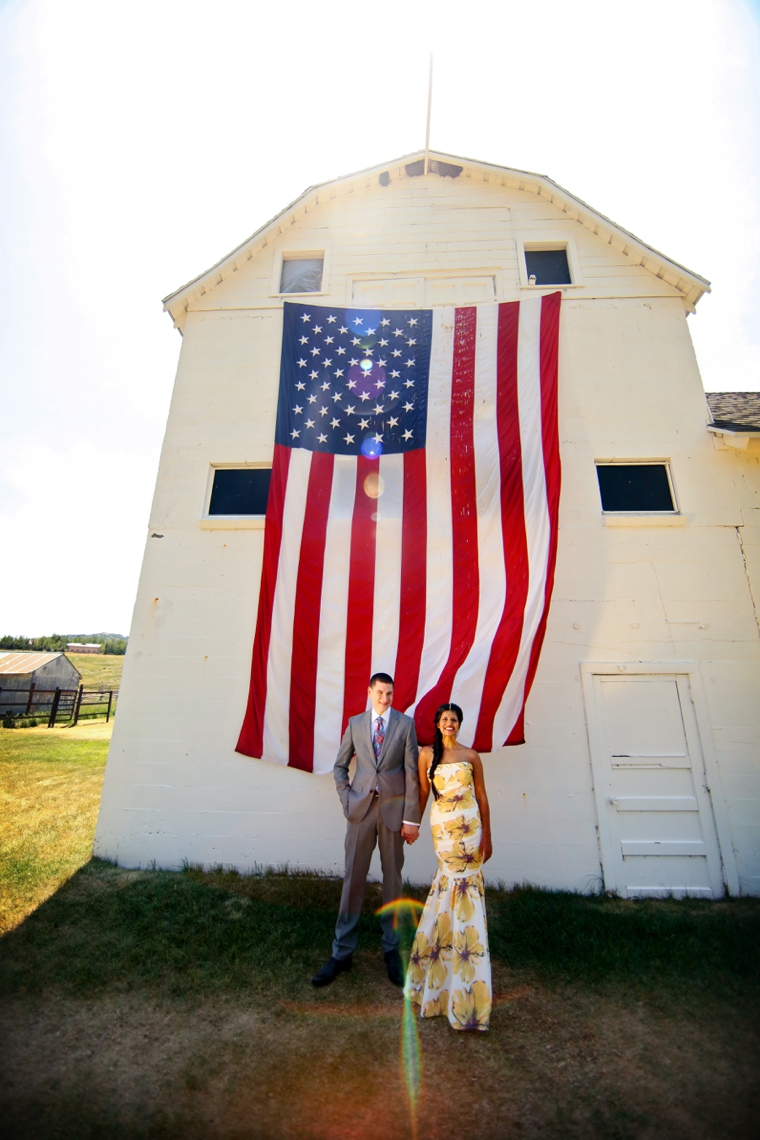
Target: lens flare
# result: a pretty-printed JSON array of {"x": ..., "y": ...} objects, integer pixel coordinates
[
  {"x": 374, "y": 485},
  {"x": 406, "y": 913},
  {"x": 371, "y": 447},
  {"x": 411, "y": 1061}
]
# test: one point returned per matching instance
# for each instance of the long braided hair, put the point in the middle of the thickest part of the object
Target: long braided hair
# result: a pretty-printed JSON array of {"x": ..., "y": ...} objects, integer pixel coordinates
[{"x": 438, "y": 748}]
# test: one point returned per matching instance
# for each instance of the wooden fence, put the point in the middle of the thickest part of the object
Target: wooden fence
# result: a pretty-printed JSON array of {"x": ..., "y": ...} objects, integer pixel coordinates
[{"x": 58, "y": 705}]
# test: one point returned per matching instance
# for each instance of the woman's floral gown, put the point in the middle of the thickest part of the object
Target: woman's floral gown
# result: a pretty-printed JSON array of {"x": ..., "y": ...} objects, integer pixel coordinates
[{"x": 449, "y": 969}]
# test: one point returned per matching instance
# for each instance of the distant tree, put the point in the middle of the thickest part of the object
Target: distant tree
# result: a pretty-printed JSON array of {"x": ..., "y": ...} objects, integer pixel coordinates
[{"x": 113, "y": 643}]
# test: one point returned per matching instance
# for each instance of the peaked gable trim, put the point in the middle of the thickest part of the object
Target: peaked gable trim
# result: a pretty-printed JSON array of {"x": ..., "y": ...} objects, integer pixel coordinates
[{"x": 691, "y": 285}]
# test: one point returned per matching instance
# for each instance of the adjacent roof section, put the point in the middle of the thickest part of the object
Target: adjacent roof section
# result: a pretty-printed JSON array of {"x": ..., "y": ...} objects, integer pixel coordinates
[
  {"x": 24, "y": 661},
  {"x": 735, "y": 411},
  {"x": 690, "y": 284}
]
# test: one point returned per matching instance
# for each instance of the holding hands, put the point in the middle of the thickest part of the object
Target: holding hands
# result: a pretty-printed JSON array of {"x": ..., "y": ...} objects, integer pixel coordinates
[{"x": 410, "y": 832}]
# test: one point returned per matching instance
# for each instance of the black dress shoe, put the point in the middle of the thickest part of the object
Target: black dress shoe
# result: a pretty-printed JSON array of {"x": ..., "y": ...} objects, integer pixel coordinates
[
  {"x": 330, "y": 971},
  {"x": 393, "y": 964}
]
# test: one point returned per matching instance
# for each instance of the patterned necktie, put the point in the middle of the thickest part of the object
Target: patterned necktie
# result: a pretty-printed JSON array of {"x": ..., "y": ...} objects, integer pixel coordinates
[{"x": 378, "y": 738}]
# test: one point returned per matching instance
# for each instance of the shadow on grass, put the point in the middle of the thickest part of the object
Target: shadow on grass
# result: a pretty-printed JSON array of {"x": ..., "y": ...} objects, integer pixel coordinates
[{"x": 195, "y": 932}]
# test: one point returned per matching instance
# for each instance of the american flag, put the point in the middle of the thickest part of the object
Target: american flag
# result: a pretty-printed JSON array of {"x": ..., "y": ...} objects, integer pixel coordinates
[{"x": 412, "y": 522}]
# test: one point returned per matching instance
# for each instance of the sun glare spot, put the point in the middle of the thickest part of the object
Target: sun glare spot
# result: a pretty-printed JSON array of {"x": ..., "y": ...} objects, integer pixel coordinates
[{"x": 374, "y": 485}]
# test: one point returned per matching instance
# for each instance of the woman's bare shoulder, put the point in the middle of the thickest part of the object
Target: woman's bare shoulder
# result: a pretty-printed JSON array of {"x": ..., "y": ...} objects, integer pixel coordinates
[{"x": 426, "y": 752}]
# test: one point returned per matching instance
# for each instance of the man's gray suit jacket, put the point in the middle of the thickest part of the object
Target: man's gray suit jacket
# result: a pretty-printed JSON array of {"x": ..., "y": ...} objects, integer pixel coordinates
[{"x": 395, "y": 774}]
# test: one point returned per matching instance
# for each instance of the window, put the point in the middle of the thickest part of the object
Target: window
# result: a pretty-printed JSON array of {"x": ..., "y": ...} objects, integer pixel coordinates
[
  {"x": 240, "y": 491},
  {"x": 642, "y": 487},
  {"x": 547, "y": 267},
  {"x": 301, "y": 274}
]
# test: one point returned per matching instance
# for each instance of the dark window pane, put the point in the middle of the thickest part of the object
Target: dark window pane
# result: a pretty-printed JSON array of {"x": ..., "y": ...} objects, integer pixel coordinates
[
  {"x": 634, "y": 487},
  {"x": 240, "y": 491},
  {"x": 303, "y": 276},
  {"x": 549, "y": 266}
]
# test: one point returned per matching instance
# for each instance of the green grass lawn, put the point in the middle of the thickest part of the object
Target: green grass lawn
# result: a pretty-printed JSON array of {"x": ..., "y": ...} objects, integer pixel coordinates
[
  {"x": 50, "y": 782},
  {"x": 99, "y": 671},
  {"x": 179, "y": 1005}
]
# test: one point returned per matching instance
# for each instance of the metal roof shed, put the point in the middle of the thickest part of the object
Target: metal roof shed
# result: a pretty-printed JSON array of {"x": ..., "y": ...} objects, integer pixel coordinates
[{"x": 46, "y": 671}]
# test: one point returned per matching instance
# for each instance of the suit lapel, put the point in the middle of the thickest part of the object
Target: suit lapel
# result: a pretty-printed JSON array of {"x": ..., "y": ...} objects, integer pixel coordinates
[
  {"x": 370, "y": 718},
  {"x": 393, "y": 723}
]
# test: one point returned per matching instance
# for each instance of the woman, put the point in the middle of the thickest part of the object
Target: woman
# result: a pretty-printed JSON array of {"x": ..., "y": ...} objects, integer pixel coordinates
[{"x": 450, "y": 970}]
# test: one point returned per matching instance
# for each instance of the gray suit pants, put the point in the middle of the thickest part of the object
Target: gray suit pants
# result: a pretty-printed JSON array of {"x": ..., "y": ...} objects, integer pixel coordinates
[{"x": 360, "y": 843}]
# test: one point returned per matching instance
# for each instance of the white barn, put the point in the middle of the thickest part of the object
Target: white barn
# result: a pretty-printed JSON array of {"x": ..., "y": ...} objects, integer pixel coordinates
[{"x": 640, "y": 769}]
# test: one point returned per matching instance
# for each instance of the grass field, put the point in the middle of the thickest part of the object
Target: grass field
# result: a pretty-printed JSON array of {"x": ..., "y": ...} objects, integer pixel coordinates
[
  {"x": 178, "y": 1005},
  {"x": 50, "y": 781},
  {"x": 99, "y": 671}
]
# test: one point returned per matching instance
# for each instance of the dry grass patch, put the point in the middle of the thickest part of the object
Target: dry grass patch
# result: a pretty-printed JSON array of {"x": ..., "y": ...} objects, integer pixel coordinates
[
  {"x": 559, "y": 1062},
  {"x": 50, "y": 785}
]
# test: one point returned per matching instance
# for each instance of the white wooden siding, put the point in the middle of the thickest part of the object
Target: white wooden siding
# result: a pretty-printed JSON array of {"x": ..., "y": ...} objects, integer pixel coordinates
[
  {"x": 419, "y": 226},
  {"x": 629, "y": 388}
]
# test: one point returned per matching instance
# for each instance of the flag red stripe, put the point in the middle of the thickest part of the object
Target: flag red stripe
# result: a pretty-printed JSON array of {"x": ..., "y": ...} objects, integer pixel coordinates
[
  {"x": 361, "y": 592},
  {"x": 413, "y": 580},
  {"x": 306, "y": 613},
  {"x": 506, "y": 642},
  {"x": 251, "y": 742},
  {"x": 550, "y": 309},
  {"x": 464, "y": 519}
]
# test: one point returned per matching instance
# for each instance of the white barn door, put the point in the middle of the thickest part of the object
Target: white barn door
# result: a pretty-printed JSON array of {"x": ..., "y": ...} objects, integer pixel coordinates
[{"x": 657, "y": 831}]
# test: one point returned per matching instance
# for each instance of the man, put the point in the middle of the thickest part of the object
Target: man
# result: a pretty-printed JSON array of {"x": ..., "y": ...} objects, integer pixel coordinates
[{"x": 382, "y": 806}]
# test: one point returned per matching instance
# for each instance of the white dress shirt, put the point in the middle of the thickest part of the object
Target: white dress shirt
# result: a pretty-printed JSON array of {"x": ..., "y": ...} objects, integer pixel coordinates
[{"x": 384, "y": 716}]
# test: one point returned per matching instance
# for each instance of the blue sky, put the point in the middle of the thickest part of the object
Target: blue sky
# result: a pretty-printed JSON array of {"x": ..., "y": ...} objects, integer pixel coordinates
[{"x": 140, "y": 143}]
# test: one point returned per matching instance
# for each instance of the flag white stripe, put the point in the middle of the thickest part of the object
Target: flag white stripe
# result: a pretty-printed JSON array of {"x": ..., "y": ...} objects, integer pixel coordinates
[
  {"x": 387, "y": 598},
  {"x": 467, "y": 689},
  {"x": 331, "y": 662},
  {"x": 438, "y": 613},
  {"x": 277, "y": 711},
  {"x": 537, "y": 523}
]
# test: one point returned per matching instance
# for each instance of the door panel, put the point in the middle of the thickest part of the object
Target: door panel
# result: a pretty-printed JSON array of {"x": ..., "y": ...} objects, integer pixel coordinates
[
  {"x": 657, "y": 827},
  {"x": 643, "y": 727}
]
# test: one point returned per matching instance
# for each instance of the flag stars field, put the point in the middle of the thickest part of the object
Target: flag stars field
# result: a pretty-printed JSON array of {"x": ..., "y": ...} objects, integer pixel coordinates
[{"x": 364, "y": 374}]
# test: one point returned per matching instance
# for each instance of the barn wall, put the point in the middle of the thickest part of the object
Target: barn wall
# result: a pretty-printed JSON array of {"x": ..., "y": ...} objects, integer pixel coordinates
[
  {"x": 60, "y": 673},
  {"x": 629, "y": 388}
]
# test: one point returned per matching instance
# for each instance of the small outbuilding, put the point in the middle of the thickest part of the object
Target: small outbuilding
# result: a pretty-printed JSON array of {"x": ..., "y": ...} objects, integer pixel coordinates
[
  {"x": 32, "y": 675},
  {"x": 84, "y": 647}
]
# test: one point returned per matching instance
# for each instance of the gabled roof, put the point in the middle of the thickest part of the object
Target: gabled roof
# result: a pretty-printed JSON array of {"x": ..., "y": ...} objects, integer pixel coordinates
[{"x": 690, "y": 284}]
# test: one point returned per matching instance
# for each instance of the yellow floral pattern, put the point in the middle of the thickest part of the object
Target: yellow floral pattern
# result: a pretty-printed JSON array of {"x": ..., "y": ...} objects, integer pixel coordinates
[
  {"x": 471, "y": 1008},
  {"x": 449, "y": 971},
  {"x": 437, "y": 1007}
]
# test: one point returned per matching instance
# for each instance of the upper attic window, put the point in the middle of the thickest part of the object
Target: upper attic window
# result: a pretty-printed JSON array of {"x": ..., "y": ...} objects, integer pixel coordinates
[
  {"x": 301, "y": 274},
  {"x": 547, "y": 267},
  {"x": 240, "y": 491},
  {"x": 638, "y": 488}
]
